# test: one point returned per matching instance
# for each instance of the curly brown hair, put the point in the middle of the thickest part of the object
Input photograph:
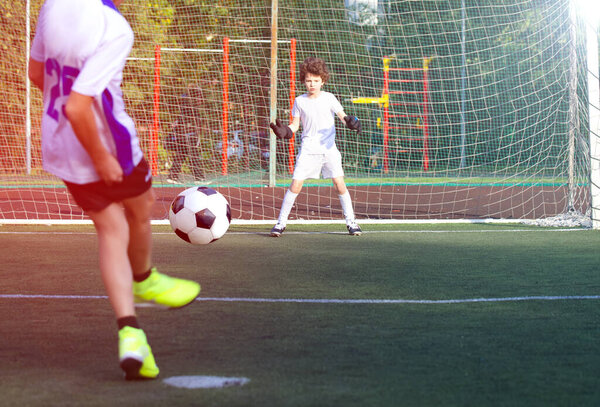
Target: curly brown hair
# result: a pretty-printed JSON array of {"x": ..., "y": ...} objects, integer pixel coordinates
[{"x": 314, "y": 66}]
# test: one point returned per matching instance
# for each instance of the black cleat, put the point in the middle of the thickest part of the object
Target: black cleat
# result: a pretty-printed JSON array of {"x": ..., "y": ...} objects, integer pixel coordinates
[
  {"x": 277, "y": 230},
  {"x": 354, "y": 229}
]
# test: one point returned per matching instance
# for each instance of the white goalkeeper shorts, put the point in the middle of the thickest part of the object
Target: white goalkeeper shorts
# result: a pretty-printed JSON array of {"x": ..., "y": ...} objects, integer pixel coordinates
[{"x": 328, "y": 164}]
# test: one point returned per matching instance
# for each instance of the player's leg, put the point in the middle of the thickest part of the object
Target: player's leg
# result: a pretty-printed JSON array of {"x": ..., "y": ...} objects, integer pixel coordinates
[
  {"x": 150, "y": 285},
  {"x": 347, "y": 209},
  {"x": 340, "y": 185},
  {"x": 286, "y": 207},
  {"x": 135, "y": 199},
  {"x": 333, "y": 169},
  {"x": 345, "y": 199},
  {"x": 102, "y": 203},
  {"x": 307, "y": 166},
  {"x": 113, "y": 238},
  {"x": 296, "y": 186},
  {"x": 137, "y": 213},
  {"x": 135, "y": 355}
]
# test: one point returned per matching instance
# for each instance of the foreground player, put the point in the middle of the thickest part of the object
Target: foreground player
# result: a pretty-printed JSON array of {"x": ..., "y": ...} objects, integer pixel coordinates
[
  {"x": 89, "y": 141},
  {"x": 318, "y": 153}
]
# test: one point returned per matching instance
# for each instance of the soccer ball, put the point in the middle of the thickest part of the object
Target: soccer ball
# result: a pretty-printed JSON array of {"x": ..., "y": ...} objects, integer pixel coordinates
[{"x": 200, "y": 215}]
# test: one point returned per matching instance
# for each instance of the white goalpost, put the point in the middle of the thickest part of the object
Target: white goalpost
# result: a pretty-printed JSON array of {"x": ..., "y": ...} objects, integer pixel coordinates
[
  {"x": 471, "y": 111},
  {"x": 590, "y": 11}
]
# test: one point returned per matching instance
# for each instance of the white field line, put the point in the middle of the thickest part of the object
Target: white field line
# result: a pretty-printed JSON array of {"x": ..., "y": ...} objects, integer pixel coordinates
[
  {"x": 326, "y": 300},
  {"x": 164, "y": 222}
]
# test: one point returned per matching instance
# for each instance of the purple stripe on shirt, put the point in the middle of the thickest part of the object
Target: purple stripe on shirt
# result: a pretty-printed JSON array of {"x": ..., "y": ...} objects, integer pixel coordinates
[{"x": 120, "y": 134}]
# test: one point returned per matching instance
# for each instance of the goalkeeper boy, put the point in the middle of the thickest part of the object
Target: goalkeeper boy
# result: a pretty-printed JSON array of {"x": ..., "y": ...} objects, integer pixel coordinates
[{"x": 316, "y": 110}]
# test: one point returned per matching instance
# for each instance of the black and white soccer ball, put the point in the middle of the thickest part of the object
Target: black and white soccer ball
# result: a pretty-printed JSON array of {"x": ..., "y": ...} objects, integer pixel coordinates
[{"x": 200, "y": 215}]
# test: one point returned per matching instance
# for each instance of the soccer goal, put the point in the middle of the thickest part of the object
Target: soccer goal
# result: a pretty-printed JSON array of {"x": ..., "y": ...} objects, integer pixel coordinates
[
  {"x": 191, "y": 105},
  {"x": 472, "y": 111}
]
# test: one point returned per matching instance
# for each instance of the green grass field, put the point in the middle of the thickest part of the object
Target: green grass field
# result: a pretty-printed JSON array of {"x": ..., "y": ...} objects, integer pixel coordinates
[
  {"x": 405, "y": 315},
  {"x": 260, "y": 178}
]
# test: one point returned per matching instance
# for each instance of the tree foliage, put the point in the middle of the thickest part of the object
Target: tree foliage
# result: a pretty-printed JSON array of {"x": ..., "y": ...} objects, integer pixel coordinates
[{"x": 510, "y": 81}]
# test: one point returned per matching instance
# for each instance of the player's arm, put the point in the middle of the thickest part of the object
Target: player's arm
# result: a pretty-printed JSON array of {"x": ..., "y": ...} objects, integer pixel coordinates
[
  {"x": 295, "y": 124},
  {"x": 36, "y": 73},
  {"x": 81, "y": 116}
]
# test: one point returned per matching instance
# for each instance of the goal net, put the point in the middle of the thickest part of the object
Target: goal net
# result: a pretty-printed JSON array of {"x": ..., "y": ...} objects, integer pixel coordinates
[{"x": 469, "y": 110}]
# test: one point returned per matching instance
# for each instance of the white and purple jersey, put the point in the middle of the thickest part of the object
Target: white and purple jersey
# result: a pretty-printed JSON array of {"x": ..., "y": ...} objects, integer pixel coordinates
[{"x": 83, "y": 45}]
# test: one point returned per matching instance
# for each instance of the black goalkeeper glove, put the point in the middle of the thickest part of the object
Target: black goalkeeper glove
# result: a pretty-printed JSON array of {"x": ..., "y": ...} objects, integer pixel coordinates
[
  {"x": 352, "y": 123},
  {"x": 281, "y": 130}
]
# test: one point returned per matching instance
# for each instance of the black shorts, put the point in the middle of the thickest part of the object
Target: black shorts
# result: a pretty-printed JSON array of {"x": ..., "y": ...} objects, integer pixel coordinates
[{"x": 96, "y": 196}]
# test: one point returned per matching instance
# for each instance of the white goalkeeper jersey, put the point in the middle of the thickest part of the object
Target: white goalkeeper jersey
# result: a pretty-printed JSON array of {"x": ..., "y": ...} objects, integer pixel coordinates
[
  {"x": 318, "y": 121},
  {"x": 83, "y": 45}
]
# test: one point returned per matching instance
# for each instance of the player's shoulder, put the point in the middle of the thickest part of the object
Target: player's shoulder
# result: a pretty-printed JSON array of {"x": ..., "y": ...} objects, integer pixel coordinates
[
  {"x": 329, "y": 95},
  {"x": 331, "y": 100},
  {"x": 323, "y": 95},
  {"x": 72, "y": 8},
  {"x": 301, "y": 100},
  {"x": 116, "y": 26},
  {"x": 59, "y": 11},
  {"x": 113, "y": 14}
]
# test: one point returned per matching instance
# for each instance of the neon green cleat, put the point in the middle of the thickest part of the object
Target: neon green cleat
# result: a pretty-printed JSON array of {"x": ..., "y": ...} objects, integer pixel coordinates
[
  {"x": 167, "y": 291},
  {"x": 135, "y": 355}
]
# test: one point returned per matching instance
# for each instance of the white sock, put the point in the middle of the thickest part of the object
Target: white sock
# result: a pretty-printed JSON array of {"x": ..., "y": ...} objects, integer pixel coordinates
[
  {"x": 286, "y": 207},
  {"x": 346, "y": 202}
]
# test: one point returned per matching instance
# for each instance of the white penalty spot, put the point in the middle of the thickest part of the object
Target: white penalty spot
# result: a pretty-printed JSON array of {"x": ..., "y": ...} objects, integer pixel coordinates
[{"x": 205, "y": 382}]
